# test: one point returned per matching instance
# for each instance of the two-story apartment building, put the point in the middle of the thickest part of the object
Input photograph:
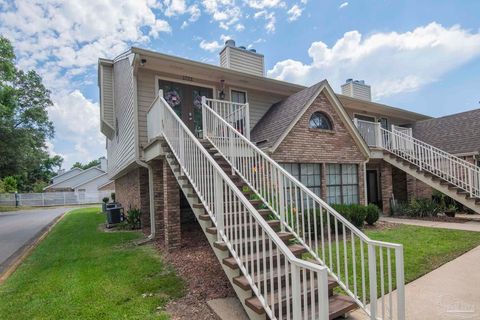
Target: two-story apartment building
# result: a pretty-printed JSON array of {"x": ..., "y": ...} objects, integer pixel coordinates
[{"x": 291, "y": 146}]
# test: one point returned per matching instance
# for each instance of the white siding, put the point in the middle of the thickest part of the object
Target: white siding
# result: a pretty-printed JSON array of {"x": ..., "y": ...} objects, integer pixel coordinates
[
  {"x": 260, "y": 102},
  {"x": 145, "y": 96},
  {"x": 121, "y": 148},
  {"x": 242, "y": 60},
  {"x": 107, "y": 115},
  {"x": 92, "y": 185}
]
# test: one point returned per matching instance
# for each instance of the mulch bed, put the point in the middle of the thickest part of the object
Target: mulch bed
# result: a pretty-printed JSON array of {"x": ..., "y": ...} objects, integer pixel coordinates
[
  {"x": 381, "y": 225},
  {"x": 205, "y": 279}
]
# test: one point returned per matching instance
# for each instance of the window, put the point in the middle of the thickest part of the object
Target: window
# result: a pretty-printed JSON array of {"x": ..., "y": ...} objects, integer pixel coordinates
[
  {"x": 383, "y": 123},
  {"x": 238, "y": 96},
  {"x": 342, "y": 183},
  {"x": 364, "y": 118},
  {"x": 319, "y": 120},
  {"x": 307, "y": 173}
]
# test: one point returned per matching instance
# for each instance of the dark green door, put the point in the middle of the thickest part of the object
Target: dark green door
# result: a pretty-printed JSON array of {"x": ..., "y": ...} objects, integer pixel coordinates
[{"x": 186, "y": 101}]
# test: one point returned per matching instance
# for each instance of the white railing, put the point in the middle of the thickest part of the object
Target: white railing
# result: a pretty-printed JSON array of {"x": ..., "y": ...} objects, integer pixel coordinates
[
  {"x": 153, "y": 124},
  {"x": 52, "y": 198},
  {"x": 236, "y": 114},
  {"x": 426, "y": 157},
  {"x": 367, "y": 270},
  {"x": 244, "y": 230}
]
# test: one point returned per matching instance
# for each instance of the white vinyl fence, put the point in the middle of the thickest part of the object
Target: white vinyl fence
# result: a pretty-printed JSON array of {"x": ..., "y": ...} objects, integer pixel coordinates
[{"x": 52, "y": 198}]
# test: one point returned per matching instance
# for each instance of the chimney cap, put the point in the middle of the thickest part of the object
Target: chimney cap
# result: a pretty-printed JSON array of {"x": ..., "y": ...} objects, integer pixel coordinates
[{"x": 230, "y": 43}]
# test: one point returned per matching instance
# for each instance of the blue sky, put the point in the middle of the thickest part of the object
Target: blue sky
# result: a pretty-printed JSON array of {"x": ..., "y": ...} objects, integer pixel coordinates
[{"x": 423, "y": 56}]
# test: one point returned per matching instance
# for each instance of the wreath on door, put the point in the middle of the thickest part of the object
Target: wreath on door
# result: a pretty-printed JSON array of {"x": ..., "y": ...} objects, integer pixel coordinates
[{"x": 173, "y": 98}]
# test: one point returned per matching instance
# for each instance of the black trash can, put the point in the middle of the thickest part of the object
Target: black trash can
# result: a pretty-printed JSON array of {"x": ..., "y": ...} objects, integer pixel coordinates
[{"x": 114, "y": 215}]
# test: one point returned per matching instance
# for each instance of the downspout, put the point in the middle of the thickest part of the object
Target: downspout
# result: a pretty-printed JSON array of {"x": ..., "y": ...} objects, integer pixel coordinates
[{"x": 151, "y": 198}]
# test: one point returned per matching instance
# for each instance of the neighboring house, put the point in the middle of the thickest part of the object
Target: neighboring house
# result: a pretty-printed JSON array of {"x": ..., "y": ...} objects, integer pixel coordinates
[
  {"x": 343, "y": 147},
  {"x": 78, "y": 180}
]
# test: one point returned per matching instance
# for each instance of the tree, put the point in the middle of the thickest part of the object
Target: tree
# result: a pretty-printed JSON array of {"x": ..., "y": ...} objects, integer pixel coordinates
[
  {"x": 10, "y": 184},
  {"x": 24, "y": 123},
  {"x": 93, "y": 163}
]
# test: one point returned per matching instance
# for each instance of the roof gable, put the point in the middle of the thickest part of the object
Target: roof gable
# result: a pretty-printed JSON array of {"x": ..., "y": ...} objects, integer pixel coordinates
[{"x": 280, "y": 119}]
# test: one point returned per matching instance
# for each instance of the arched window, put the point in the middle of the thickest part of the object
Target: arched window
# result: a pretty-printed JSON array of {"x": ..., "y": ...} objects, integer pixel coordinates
[{"x": 319, "y": 120}]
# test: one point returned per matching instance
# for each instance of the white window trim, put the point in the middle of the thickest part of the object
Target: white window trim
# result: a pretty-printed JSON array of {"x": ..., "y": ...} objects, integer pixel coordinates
[
  {"x": 365, "y": 115},
  {"x": 193, "y": 83},
  {"x": 239, "y": 90}
]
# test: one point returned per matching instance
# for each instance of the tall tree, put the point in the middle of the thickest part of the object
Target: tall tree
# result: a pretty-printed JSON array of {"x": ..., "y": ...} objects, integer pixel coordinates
[
  {"x": 24, "y": 123},
  {"x": 90, "y": 164}
]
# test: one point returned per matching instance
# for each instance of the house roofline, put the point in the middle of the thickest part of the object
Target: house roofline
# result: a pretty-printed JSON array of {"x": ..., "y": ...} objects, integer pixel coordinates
[
  {"x": 54, "y": 184},
  {"x": 81, "y": 184}
]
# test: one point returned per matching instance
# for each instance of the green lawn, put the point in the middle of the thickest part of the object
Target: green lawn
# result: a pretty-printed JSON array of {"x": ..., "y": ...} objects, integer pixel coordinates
[
  {"x": 79, "y": 272},
  {"x": 425, "y": 249}
]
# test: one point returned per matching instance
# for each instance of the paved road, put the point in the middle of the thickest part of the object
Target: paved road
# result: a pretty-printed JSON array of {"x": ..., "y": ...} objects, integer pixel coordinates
[{"x": 19, "y": 227}]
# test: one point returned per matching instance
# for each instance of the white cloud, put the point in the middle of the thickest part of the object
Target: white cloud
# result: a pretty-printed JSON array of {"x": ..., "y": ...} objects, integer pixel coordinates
[
  {"x": 239, "y": 27},
  {"x": 62, "y": 41},
  {"x": 263, "y": 4},
  {"x": 195, "y": 14},
  {"x": 78, "y": 122},
  {"x": 259, "y": 40},
  {"x": 269, "y": 18},
  {"x": 174, "y": 7},
  {"x": 225, "y": 12},
  {"x": 211, "y": 46},
  {"x": 343, "y": 5},
  {"x": 391, "y": 62},
  {"x": 294, "y": 13}
]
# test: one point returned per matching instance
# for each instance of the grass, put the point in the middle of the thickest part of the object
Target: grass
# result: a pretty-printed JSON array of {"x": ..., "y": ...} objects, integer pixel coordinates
[
  {"x": 13, "y": 208},
  {"x": 425, "y": 249},
  {"x": 80, "y": 272}
]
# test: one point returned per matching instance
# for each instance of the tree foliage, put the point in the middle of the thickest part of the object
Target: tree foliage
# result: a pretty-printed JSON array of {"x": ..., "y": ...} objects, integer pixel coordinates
[
  {"x": 93, "y": 163},
  {"x": 24, "y": 124}
]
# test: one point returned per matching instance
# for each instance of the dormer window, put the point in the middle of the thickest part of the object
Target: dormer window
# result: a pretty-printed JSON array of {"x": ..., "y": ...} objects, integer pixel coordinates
[{"x": 319, "y": 120}]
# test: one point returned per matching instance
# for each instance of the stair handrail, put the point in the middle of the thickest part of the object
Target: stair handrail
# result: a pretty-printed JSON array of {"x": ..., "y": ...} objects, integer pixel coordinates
[
  {"x": 438, "y": 162},
  {"x": 240, "y": 108},
  {"x": 231, "y": 144},
  {"x": 181, "y": 139}
]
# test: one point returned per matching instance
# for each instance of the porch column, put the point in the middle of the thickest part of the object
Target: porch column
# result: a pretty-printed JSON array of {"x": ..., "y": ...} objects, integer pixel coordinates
[
  {"x": 386, "y": 186},
  {"x": 157, "y": 167},
  {"x": 171, "y": 212}
]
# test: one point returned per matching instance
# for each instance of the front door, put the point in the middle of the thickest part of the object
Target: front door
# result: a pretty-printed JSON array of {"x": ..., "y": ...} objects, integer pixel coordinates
[
  {"x": 372, "y": 187},
  {"x": 186, "y": 101}
]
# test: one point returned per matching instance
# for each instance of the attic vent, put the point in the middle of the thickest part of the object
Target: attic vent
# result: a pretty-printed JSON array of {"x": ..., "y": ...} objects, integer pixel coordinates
[
  {"x": 107, "y": 115},
  {"x": 241, "y": 59}
]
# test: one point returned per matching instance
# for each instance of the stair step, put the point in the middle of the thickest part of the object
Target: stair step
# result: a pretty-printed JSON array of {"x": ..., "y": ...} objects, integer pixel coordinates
[
  {"x": 266, "y": 278},
  {"x": 230, "y": 262},
  {"x": 197, "y": 206},
  {"x": 284, "y": 236},
  {"x": 272, "y": 223},
  {"x": 204, "y": 217}
]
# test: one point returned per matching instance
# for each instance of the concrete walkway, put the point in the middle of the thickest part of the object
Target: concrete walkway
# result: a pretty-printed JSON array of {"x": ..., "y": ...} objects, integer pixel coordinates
[{"x": 466, "y": 226}]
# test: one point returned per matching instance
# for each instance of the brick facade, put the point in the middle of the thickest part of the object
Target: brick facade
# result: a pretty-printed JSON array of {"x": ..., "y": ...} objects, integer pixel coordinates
[
  {"x": 386, "y": 184},
  {"x": 416, "y": 189},
  {"x": 171, "y": 218},
  {"x": 130, "y": 192},
  {"x": 305, "y": 145}
]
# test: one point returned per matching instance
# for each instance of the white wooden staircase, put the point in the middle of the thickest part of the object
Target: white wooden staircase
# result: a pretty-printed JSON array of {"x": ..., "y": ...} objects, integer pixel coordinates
[
  {"x": 447, "y": 173},
  {"x": 283, "y": 248}
]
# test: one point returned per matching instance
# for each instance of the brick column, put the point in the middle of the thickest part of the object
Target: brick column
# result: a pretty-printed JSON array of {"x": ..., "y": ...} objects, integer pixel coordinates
[
  {"x": 323, "y": 188},
  {"x": 171, "y": 213},
  {"x": 416, "y": 189},
  {"x": 144, "y": 196},
  {"x": 157, "y": 167},
  {"x": 361, "y": 184},
  {"x": 386, "y": 186}
]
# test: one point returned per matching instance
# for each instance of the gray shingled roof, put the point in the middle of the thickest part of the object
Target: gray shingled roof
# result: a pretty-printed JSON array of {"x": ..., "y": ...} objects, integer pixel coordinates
[
  {"x": 458, "y": 133},
  {"x": 279, "y": 117}
]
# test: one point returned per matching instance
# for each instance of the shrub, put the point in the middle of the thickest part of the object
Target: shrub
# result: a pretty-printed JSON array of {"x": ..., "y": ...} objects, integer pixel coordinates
[
  {"x": 105, "y": 200},
  {"x": 10, "y": 184},
  {"x": 373, "y": 213},
  {"x": 112, "y": 196},
  {"x": 422, "y": 208},
  {"x": 133, "y": 218},
  {"x": 354, "y": 213}
]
